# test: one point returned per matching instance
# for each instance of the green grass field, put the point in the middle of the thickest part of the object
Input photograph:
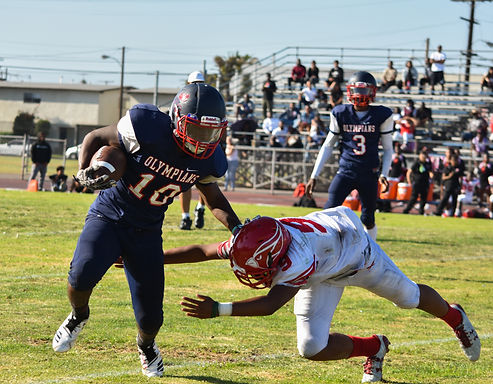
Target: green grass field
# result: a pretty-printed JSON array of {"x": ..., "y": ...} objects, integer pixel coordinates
[{"x": 38, "y": 232}]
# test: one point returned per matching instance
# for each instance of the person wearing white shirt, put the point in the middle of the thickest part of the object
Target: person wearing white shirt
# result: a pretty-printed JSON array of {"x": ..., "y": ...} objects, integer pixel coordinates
[
  {"x": 437, "y": 60},
  {"x": 270, "y": 123},
  {"x": 308, "y": 94}
]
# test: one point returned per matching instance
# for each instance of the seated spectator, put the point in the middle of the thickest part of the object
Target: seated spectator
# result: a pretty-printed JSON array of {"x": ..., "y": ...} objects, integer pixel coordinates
[
  {"x": 480, "y": 144},
  {"x": 487, "y": 80},
  {"x": 307, "y": 95},
  {"x": 398, "y": 166},
  {"x": 424, "y": 115},
  {"x": 426, "y": 79},
  {"x": 293, "y": 139},
  {"x": 313, "y": 73},
  {"x": 59, "y": 180},
  {"x": 335, "y": 94},
  {"x": 291, "y": 115},
  {"x": 396, "y": 117},
  {"x": 389, "y": 77},
  {"x": 281, "y": 133},
  {"x": 310, "y": 144},
  {"x": 245, "y": 108},
  {"x": 270, "y": 123},
  {"x": 336, "y": 74},
  {"x": 484, "y": 171},
  {"x": 298, "y": 74},
  {"x": 470, "y": 188},
  {"x": 475, "y": 123},
  {"x": 406, "y": 133},
  {"x": 318, "y": 130},
  {"x": 307, "y": 115},
  {"x": 274, "y": 143},
  {"x": 321, "y": 101},
  {"x": 409, "y": 77},
  {"x": 409, "y": 110}
]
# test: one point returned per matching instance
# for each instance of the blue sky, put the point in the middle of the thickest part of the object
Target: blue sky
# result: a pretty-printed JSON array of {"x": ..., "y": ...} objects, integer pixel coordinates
[{"x": 175, "y": 36}]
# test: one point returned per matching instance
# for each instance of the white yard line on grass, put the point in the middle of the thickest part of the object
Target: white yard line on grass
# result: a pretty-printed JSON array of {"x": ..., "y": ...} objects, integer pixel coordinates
[{"x": 168, "y": 368}]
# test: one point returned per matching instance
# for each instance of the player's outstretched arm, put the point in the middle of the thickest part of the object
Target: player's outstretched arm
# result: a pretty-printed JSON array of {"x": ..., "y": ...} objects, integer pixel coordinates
[
  {"x": 204, "y": 307},
  {"x": 191, "y": 254}
]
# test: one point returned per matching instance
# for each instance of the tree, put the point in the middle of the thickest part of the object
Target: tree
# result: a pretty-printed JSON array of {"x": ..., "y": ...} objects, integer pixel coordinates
[
  {"x": 23, "y": 124},
  {"x": 228, "y": 66},
  {"x": 42, "y": 126}
]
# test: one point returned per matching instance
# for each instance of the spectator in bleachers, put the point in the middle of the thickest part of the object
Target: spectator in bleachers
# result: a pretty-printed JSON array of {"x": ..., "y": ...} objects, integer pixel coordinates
[
  {"x": 318, "y": 129},
  {"x": 336, "y": 74},
  {"x": 310, "y": 144},
  {"x": 426, "y": 79},
  {"x": 406, "y": 134},
  {"x": 313, "y": 73},
  {"x": 409, "y": 110},
  {"x": 307, "y": 115},
  {"x": 483, "y": 171},
  {"x": 307, "y": 95},
  {"x": 298, "y": 74},
  {"x": 270, "y": 123},
  {"x": 281, "y": 133},
  {"x": 274, "y": 143},
  {"x": 397, "y": 116},
  {"x": 425, "y": 119},
  {"x": 291, "y": 115},
  {"x": 321, "y": 101},
  {"x": 335, "y": 94},
  {"x": 389, "y": 77},
  {"x": 268, "y": 89},
  {"x": 437, "y": 60},
  {"x": 245, "y": 108},
  {"x": 480, "y": 144},
  {"x": 419, "y": 176},
  {"x": 409, "y": 77},
  {"x": 452, "y": 180},
  {"x": 487, "y": 81},
  {"x": 293, "y": 139},
  {"x": 470, "y": 188},
  {"x": 475, "y": 123},
  {"x": 398, "y": 166}
]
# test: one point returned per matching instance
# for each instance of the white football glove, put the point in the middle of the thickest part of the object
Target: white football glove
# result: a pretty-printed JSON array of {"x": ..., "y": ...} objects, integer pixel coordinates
[{"x": 86, "y": 178}]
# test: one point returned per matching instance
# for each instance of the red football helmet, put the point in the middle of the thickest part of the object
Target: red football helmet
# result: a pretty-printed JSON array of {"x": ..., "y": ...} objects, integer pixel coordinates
[
  {"x": 361, "y": 89},
  {"x": 257, "y": 249},
  {"x": 198, "y": 113}
]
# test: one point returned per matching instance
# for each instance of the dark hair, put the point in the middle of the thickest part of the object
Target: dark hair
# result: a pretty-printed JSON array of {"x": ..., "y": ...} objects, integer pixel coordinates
[{"x": 60, "y": 168}]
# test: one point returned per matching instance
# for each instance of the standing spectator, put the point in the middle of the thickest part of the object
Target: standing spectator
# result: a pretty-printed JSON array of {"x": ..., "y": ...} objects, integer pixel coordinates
[
  {"x": 59, "y": 180},
  {"x": 40, "y": 156},
  {"x": 127, "y": 220},
  {"x": 313, "y": 73},
  {"x": 487, "y": 80},
  {"x": 298, "y": 74},
  {"x": 437, "y": 60},
  {"x": 419, "y": 176},
  {"x": 426, "y": 79},
  {"x": 389, "y": 77},
  {"x": 359, "y": 128},
  {"x": 484, "y": 170},
  {"x": 233, "y": 162},
  {"x": 268, "y": 90},
  {"x": 409, "y": 77},
  {"x": 336, "y": 74},
  {"x": 451, "y": 178},
  {"x": 475, "y": 123},
  {"x": 398, "y": 166},
  {"x": 307, "y": 95},
  {"x": 270, "y": 123},
  {"x": 245, "y": 108},
  {"x": 335, "y": 94},
  {"x": 291, "y": 115}
]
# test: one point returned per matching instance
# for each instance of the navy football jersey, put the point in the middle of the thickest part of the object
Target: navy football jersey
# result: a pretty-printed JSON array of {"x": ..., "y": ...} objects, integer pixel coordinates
[
  {"x": 157, "y": 169},
  {"x": 359, "y": 136}
]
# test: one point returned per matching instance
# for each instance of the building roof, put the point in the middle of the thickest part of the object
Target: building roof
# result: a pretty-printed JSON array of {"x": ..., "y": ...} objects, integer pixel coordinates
[
  {"x": 59, "y": 87},
  {"x": 151, "y": 91}
]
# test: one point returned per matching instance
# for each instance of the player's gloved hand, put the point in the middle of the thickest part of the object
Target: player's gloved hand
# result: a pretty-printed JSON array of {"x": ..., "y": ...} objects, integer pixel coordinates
[
  {"x": 118, "y": 263},
  {"x": 204, "y": 308},
  {"x": 384, "y": 184},
  {"x": 86, "y": 177},
  {"x": 310, "y": 186}
]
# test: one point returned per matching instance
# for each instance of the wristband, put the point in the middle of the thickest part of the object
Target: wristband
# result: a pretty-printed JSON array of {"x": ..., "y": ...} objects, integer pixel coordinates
[
  {"x": 225, "y": 309},
  {"x": 215, "y": 309},
  {"x": 236, "y": 228}
]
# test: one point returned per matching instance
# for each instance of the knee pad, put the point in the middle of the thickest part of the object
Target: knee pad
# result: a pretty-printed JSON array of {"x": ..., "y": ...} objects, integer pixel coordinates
[
  {"x": 409, "y": 297},
  {"x": 311, "y": 346}
]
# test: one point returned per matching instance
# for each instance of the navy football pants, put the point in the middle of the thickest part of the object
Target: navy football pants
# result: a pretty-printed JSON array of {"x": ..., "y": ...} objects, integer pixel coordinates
[
  {"x": 101, "y": 242},
  {"x": 366, "y": 183}
]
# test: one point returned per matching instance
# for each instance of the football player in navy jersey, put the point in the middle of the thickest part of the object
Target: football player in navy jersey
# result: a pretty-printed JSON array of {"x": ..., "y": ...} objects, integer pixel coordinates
[
  {"x": 166, "y": 155},
  {"x": 358, "y": 127}
]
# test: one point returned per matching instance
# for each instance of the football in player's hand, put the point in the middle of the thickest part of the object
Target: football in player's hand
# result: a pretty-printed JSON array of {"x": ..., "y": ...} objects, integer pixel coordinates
[{"x": 111, "y": 161}]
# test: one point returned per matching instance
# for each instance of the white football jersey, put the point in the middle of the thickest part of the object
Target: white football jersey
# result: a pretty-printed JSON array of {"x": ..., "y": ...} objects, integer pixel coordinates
[{"x": 329, "y": 244}]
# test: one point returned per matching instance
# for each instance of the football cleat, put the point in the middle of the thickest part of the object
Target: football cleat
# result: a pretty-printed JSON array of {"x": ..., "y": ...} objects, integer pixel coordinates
[
  {"x": 66, "y": 335},
  {"x": 199, "y": 217},
  {"x": 372, "y": 370},
  {"x": 467, "y": 335},
  {"x": 186, "y": 223},
  {"x": 151, "y": 361}
]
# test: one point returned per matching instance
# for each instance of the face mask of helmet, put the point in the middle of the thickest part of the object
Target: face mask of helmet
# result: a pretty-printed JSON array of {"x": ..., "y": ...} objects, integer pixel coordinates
[
  {"x": 199, "y": 137},
  {"x": 361, "y": 94}
]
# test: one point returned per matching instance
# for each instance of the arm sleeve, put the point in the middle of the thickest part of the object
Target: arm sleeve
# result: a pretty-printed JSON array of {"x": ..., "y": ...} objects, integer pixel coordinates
[
  {"x": 324, "y": 154},
  {"x": 386, "y": 140},
  {"x": 127, "y": 134}
]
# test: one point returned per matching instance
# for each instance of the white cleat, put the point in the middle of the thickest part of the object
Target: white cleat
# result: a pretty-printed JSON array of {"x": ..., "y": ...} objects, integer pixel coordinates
[
  {"x": 467, "y": 335},
  {"x": 373, "y": 366},
  {"x": 66, "y": 335},
  {"x": 151, "y": 361}
]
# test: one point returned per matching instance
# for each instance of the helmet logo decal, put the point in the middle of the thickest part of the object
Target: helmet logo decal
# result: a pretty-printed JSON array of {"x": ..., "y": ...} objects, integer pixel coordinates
[{"x": 184, "y": 97}]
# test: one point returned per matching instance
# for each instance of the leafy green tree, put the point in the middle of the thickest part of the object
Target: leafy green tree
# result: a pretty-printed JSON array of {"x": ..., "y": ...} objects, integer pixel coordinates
[
  {"x": 227, "y": 68},
  {"x": 42, "y": 126},
  {"x": 23, "y": 123}
]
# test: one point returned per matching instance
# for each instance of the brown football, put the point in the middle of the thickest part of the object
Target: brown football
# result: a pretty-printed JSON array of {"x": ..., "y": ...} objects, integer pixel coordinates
[{"x": 112, "y": 161}]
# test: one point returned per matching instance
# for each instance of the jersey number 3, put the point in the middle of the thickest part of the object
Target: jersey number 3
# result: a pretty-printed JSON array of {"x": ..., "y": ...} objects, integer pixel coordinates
[{"x": 360, "y": 142}]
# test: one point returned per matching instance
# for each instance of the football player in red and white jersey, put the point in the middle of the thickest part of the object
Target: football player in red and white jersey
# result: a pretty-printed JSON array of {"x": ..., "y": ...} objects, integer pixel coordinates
[
  {"x": 470, "y": 186},
  {"x": 313, "y": 258}
]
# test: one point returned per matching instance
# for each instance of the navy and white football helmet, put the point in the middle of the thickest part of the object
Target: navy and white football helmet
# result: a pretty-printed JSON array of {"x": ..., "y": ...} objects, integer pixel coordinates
[{"x": 361, "y": 89}]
